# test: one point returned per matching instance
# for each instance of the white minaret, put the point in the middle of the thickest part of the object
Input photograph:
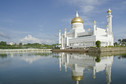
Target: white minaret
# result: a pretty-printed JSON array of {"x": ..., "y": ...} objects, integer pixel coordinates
[
  {"x": 109, "y": 22},
  {"x": 62, "y": 42},
  {"x": 94, "y": 27},
  {"x": 109, "y": 28},
  {"x": 60, "y": 61},
  {"x": 108, "y": 74},
  {"x": 94, "y": 72},
  {"x": 65, "y": 32},
  {"x": 59, "y": 36}
]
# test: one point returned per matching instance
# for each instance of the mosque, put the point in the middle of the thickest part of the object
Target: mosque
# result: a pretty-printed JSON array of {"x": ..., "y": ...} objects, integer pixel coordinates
[
  {"x": 79, "y": 63},
  {"x": 77, "y": 37}
]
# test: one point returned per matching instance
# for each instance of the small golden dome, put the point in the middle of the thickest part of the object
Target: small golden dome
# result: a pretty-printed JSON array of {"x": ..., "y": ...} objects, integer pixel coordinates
[
  {"x": 77, "y": 20},
  {"x": 59, "y": 30},
  {"x": 94, "y": 77},
  {"x": 109, "y": 11},
  {"x": 77, "y": 78},
  {"x": 94, "y": 21}
]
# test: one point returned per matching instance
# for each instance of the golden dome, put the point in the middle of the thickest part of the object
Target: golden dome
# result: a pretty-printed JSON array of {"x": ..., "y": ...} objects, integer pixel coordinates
[
  {"x": 77, "y": 19},
  {"x": 77, "y": 78},
  {"x": 94, "y": 77},
  {"x": 109, "y": 11}
]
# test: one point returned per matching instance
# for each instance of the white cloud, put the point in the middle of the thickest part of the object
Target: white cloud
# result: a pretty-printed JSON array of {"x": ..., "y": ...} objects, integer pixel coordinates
[
  {"x": 86, "y": 6},
  {"x": 3, "y": 35},
  {"x": 31, "y": 39},
  {"x": 30, "y": 59}
]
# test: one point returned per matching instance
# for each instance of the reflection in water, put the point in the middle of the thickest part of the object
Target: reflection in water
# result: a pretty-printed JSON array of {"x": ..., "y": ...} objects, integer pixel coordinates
[
  {"x": 79, "y": 62},
  {"x": 30, "y": 59},
  {"x": 3, "y": 55},
  {"x": 27, "y": 57}
]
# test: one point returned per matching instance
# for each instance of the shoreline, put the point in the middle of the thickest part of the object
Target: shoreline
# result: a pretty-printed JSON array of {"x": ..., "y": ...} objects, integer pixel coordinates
[
  {"x": 102, "y": 49},
  {"x": 25, "y": 50}
]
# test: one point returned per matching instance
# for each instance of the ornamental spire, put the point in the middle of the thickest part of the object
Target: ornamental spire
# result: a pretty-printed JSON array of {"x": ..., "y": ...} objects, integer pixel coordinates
[
  {"x": 77, "y": 15},
  {"x": 109, "y": 11}
]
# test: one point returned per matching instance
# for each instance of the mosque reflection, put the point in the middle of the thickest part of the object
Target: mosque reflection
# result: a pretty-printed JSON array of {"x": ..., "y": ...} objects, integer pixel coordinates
[{"x": 79, "y": 62}]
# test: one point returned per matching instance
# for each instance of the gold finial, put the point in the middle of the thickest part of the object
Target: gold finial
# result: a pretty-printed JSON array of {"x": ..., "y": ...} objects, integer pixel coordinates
[
  {"x": 89, "y": 29},
  {"x": 94, "y": 76},
  {"x": 109, "y": 11},
  {"x": 94, "y": 21},
  {"x": 59, "y": 30},
  {"x": 64, "y": 29}
]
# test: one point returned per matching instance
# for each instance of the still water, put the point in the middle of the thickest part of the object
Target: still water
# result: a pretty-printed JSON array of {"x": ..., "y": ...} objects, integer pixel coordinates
[{"x": 62, "y": 68}]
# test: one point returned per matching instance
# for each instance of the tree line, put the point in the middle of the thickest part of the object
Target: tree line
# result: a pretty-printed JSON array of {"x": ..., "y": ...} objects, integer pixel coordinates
[
  {"x": 4, "y": 45},
  {"x": 121, "y": 42}
]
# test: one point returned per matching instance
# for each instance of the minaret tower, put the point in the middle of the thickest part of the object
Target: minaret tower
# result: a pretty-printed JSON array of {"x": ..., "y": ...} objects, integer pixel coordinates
[
  {"x": 62, "y": 42},
  {"x": 65, "y": 32},
  {"x": 109, "y": 28},
  {"x": 59, "y": 36},
  {"x": 109, "y": 22},
  {"x": 94, "y": 27}
]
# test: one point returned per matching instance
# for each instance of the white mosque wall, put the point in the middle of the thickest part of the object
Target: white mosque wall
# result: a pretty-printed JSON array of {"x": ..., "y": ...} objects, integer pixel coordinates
[
  {"x": 88, "y": 33},
  {"x": 101, "y": 31},
  {"x": 83, "y": 41}
]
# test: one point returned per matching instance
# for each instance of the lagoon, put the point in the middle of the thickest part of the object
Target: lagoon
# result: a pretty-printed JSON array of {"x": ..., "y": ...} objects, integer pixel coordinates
[{"x": 62, "y": 68}]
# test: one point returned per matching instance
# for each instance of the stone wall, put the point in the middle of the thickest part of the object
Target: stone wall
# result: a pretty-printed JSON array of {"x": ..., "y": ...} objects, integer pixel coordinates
[
  {"x": 107, "y": 49},
  {"x": 102, "y": 49}
]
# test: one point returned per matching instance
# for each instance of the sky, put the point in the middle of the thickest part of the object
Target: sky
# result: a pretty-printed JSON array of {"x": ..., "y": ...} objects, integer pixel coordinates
[{"x": 38, "y": 21}]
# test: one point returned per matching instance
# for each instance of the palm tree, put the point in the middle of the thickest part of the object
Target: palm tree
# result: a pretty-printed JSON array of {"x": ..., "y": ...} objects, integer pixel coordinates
[{"x": 120, "y": 41}]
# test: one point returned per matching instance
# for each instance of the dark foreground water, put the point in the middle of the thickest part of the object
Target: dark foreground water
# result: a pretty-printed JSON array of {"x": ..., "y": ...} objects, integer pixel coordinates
[{"x": 61, "y": 68}]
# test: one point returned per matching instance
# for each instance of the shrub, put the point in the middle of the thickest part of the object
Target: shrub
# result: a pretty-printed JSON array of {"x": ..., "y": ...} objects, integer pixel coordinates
[
  {"x": 97, "y": 59},
  {"x": 98, "y": 44}
]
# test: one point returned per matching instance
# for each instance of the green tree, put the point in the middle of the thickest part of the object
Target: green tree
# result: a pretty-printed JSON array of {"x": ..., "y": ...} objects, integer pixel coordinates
[
  {"x": 98, "y": 44},
  {"x": 98, "y": 59},
  {"x": 123, "y": 43},
  {"x": 120, "y": 41},
  {"x": 20, "y": 44},
  {"x": 115, "y": 44},
  {"x": 3, "y": 43}
]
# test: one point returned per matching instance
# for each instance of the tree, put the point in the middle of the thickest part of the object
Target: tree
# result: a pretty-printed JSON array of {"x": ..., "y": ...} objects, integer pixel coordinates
[
  {"x": 115, "y": 44},
  {"x": 123, "y": 43},
  {"x": 120, "y": 41},
  {"x": 98, "y": 59},
  {"x": 20, "y": 44},
  {"x": 3, "y": 43},
  {"x": 98, "y": 44}
]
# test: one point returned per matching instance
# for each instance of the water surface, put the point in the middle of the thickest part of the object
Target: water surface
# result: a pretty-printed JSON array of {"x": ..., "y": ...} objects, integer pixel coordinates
[{"x": 61, "y": 68}]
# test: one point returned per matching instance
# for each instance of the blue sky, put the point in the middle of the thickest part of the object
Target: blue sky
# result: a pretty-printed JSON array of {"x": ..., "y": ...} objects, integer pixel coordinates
[{"x": 39, "y": 20}]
